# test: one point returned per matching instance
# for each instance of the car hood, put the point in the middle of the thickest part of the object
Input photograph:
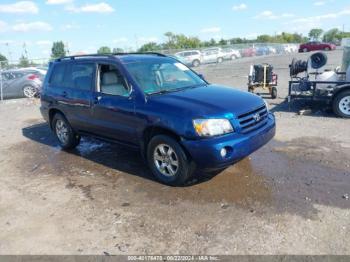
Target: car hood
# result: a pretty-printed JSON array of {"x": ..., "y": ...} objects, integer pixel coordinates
[{"x": 208, "y": 101}]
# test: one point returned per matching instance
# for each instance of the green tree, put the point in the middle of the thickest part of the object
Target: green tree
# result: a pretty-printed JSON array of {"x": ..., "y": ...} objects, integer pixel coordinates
[
  {"x": 104, "y": 50},
  {"x": 223, "y": 42},
  {"x": 23, "y": 61},
  {"x": 3, "y": 61},
  {"x": 264, "y": 39},
  {"x": 149, "y": 47},
  {"x": 118, "y": 50},
  {"x": 332, "y": 35},
  {"x": 58, "y": 50},
  {"x": 315, "y": 33}
]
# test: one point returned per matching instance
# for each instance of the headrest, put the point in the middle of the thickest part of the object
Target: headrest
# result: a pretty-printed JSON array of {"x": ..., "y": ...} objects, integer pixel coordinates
[{"x": 110, "y": 78}]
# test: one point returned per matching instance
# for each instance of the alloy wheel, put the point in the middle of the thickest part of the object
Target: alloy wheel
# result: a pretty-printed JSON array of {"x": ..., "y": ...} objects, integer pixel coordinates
[{"x": 166, "y": 160}]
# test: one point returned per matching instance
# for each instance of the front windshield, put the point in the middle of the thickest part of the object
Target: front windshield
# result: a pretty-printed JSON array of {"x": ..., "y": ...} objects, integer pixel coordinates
[{"x": 163, "y": 76}]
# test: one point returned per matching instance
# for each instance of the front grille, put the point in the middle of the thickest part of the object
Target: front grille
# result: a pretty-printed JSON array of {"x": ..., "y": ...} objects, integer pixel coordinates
[{"x": 253, "y": 120}]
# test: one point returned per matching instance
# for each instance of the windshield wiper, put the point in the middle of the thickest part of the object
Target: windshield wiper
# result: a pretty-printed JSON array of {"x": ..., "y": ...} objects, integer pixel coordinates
[{"x": 164, "y": 91}]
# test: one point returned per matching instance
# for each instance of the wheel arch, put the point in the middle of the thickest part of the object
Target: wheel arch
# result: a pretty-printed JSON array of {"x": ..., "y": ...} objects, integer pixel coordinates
[
  {"x": 340, "y": 89},
  {"x": 52, "y": 113},
  {"x": 152, "y": 131}
]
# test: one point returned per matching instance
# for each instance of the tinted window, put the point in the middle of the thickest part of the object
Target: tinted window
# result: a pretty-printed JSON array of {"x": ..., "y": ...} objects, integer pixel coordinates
[
  {"x": 71, "y": 75},
  {"x": 80, "y": 76},
  {"x": 58, "y": 75}
]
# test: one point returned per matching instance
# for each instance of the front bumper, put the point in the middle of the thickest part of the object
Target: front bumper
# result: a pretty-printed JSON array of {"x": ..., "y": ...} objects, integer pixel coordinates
[{"x": 206, "y": 152}]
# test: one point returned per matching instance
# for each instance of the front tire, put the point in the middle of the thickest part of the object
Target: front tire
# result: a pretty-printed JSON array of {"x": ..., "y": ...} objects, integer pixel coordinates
[
  {"x": 341, "y": 104},
  {"x": 220, "y": 60},
  {"x": 168, "y": 161},
  {"x": 273, "y": 92},
  {"x": 326, "y": 49},
  {"x": 305, "y": 50},
  {"x": 65, "y": 134},
  {"x": 196, "y": 63}
]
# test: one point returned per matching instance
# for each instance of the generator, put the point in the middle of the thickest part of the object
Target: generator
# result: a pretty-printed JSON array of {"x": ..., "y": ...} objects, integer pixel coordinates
[{"x": 262, "y": 76}]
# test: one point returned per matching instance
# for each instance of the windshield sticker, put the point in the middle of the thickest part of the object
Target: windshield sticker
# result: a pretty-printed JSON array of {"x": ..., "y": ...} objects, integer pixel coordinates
[{"x": 181, "y": 67}]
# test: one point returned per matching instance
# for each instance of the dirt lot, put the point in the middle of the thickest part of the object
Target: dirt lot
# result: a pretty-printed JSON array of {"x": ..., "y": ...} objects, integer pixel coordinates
[{"x": 290, "y": 197}]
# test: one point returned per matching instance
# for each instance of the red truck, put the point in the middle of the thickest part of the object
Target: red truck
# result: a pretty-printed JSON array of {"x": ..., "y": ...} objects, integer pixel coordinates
[{"x": 314, "y": 46}]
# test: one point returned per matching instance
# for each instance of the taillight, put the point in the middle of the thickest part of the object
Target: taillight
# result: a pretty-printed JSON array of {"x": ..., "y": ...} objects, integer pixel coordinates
[{"x": 33, "y": 77}]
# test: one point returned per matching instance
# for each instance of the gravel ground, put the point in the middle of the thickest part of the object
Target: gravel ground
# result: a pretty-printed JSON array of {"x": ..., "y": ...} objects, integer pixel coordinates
[{"x": 290, "y": 197}]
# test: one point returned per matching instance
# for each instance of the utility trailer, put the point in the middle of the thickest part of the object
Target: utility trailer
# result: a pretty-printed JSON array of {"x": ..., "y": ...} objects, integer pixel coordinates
[{"x": 335, "y": 91}]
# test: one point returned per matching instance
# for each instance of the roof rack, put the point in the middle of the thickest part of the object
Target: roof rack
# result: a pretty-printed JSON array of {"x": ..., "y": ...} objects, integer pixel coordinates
[{"x": 112, "y": 55}]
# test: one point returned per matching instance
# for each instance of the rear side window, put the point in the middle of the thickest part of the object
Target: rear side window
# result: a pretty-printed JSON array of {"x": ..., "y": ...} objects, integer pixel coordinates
[
  {"x": 58, "y": 75},
  {"x": 79, "y": 76}
]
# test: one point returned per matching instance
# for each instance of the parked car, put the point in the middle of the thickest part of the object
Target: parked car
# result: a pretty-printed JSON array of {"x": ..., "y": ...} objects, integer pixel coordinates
[
  {"x": 290, "y": 48},
  {"x": 212, "y": 55},
  {"x": 21, "y": 82},
  {"x": 190, "y": 57},
  {"x": 272, "y": 50},
  {"x": 248, "y": 52},
  {"x": 151, "y": 102},
  {"x": 262, "y": 50},
  {"x": 231, "y": 54},
  {"x": 314, "y": 46}
]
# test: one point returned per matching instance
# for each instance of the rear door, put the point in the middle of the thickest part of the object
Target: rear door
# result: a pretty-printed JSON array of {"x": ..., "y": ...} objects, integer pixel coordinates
[
  {"x": 113, "y": 113},
  {"x": 71, "y": 85}
]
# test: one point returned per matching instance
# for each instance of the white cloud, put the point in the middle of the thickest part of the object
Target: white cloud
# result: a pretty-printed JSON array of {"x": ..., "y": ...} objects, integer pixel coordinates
[
  {"x": 318, "y": 19},
  {"x": 270, "y": 15},
  {"x": 319, "y": 3},
  {"x": 70, "y": 26},
  {"x": 3, "y": 26},
  {"x": 121, "y": 40},
  {"x": 44, "y": 42},
  {"x": 239, "y": 7},
  {"x": 213, "y": 29},
  {"x": 27, "y": 7},
  {"x": 33, "y": 26},
  {"x": 58, "y": 2},
  {"x": 92, "y": 8}
]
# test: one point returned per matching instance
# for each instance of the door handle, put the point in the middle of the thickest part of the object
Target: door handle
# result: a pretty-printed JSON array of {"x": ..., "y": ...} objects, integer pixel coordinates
[
  {"x": 97, "y": 99},
  {"x": 64, "y": 94}
]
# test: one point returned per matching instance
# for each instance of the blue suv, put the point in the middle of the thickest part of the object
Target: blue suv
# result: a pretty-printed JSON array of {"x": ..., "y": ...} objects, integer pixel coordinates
[{"x": 157, "y": 105}]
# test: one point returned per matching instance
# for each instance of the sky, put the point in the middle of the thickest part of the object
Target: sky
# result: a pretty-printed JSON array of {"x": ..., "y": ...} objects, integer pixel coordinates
[{"x": 85, "y": 25}]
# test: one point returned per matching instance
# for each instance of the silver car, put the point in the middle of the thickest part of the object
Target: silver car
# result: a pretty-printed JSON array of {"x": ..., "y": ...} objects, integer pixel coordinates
[
  {"x": 21, "y": 82},
  {"x": 212, "y": 55},
  {"x": 231, "y": 54},
  {"x": 190, "y": 57}
]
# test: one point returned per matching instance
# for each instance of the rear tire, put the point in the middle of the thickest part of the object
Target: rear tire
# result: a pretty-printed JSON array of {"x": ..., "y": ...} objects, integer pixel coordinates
[
  {"x": 168, "y": 161},
  {"x": 29, "y": 91},
  {"x": 233, "y": 57},
  {"x": 220, "y": 59},
  {"x": 326, "y": 49},
  {"x": 341, "y": 104},
  {"x": 274, "y": 92},
  {"x": 67, "y": 138},
  {"x": 305, "y": 50}
]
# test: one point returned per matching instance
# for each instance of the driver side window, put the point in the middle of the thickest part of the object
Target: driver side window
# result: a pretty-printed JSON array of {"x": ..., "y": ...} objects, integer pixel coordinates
[{"x": 111, "y": 81}]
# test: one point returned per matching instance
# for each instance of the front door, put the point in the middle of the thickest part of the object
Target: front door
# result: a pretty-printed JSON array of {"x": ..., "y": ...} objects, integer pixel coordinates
[{"x": 113, "y": 106}]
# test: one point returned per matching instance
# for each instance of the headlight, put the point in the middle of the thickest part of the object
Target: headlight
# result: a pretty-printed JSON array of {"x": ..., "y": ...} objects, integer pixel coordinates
[{"x": 212, "y": 127}]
